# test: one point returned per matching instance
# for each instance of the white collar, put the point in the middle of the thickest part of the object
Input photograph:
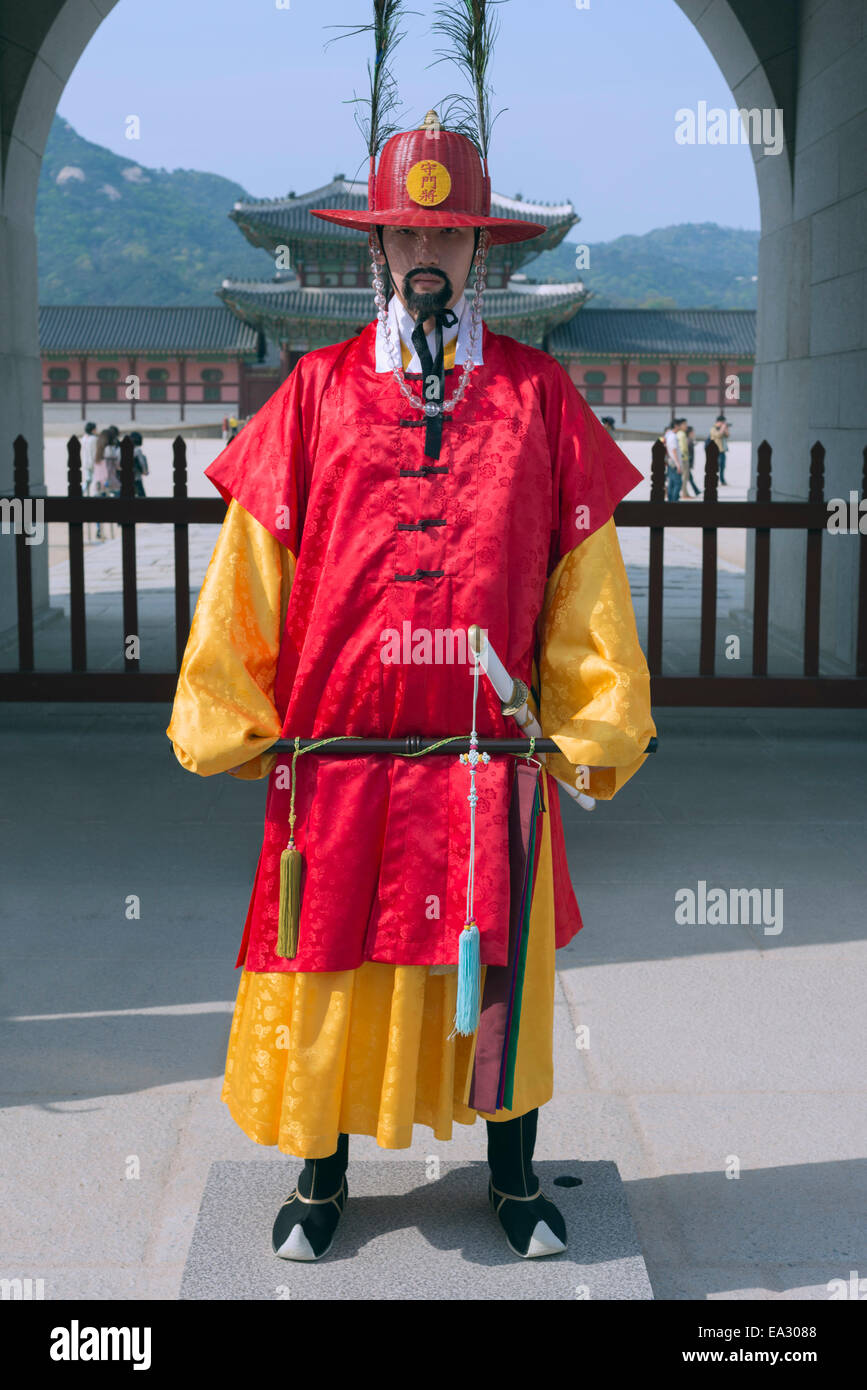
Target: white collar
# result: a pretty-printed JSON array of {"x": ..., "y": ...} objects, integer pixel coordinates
[{"x": 401, "y": 324}]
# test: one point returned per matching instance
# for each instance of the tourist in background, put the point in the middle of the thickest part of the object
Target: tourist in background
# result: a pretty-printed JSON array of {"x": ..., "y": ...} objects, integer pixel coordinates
[
  {"x": 112, "y": 459},
  {"x": 683, "y": 450},
  {"x": 88, "y": 456},
  {"x": 139, "y": 464},
  {"x": 719, "y": 434},
  {"x": 690, "y": 440},
  {"x": 101, "y": 472},
  {"x": 672, "y": 455},
  {"x": 682, "y": 455}
]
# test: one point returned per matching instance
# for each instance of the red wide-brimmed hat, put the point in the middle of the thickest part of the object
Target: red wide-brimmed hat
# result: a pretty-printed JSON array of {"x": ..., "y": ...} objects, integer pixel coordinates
[{"x": 431, "y": 178}]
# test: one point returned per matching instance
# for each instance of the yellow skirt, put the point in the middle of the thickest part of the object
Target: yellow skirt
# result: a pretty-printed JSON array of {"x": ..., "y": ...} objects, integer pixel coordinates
[{"x": 367, "y": 1051}]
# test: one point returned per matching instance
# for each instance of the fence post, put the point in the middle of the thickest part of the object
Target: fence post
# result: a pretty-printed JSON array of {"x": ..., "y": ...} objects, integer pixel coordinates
[
  {"x": 182, "y": 552},
  {"x": 861, "y": 651},
  {"x": 762, "y": 565},
  {"x": 24, "y": 573},
  {"x": 707, "y": 640},
  {"x": 127, "y": 542},
  {"x": 655, "y": 560},
  {"x": 813, "y": 567},
  {"x": 77, "y": 618}
]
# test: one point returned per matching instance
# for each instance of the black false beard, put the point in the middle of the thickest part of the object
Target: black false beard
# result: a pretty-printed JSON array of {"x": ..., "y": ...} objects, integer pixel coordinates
[{"x": 421, "y": 306}]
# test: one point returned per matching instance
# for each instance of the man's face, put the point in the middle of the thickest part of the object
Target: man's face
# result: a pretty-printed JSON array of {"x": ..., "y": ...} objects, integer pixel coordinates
[{"x": 429, "y": 265}]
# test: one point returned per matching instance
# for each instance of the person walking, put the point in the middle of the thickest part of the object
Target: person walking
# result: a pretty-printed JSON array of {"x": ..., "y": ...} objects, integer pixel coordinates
[
  {"x": 139, "y": 464},
  {"x": 112, "y": 459},
  {"x": 101, "y": 471},
  {"x": 690, "y": 438},
  {"x": 719, "y": 434},
  {"x": 683, "y": 451},
  {"x": 673, "y": 473},
  {"x": 88, "y": 456}
]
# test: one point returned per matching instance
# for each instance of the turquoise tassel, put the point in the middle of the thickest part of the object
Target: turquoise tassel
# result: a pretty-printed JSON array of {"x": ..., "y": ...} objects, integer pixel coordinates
[{"x": 469, "y": 978}]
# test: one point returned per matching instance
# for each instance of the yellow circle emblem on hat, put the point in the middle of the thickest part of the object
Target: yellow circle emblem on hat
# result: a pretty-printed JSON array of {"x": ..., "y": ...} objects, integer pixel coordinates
[{"x": 428, "y": 182}]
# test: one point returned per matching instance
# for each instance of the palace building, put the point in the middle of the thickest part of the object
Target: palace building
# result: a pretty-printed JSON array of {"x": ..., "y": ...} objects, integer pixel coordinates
[{"x": 201, "y": 364}]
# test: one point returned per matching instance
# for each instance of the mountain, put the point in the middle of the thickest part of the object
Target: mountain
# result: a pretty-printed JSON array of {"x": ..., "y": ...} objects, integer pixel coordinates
[
  {"x": 690, "y": 266},
  {"x": 111, "y": 231}
]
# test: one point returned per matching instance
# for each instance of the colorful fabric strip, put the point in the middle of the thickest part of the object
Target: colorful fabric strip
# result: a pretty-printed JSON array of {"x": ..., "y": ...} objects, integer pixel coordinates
[{"x": 501, "y": 982}]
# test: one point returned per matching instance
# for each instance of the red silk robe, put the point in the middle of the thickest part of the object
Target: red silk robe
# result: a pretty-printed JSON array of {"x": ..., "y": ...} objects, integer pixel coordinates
[{"x": 333, "y": 467}]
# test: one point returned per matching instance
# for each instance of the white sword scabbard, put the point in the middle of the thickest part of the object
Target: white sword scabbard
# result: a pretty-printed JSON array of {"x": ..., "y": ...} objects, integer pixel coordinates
[{"x": 509, "y": 691}]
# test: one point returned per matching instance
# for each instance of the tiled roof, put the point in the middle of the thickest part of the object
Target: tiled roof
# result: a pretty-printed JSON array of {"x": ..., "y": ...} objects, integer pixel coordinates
[
  {"x": 657, "y": 333},
  {"x": 347, "y": 193},
  {"x": 357, "y": 306},
  {"x": 84, "y": 328}
]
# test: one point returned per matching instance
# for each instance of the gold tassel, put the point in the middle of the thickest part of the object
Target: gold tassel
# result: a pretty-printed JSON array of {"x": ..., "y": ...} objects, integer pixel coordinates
[
  {"x": 290, "y": 901},
  {"x": 291, "y": 864},
  {"x": 291, "y": 860}
]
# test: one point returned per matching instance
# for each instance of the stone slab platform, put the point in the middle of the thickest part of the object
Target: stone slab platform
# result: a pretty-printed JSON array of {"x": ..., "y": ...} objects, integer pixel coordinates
[{"x": 404, "y": 1235}]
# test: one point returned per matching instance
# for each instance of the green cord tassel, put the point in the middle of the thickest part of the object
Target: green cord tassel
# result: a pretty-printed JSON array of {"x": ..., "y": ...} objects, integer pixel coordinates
[
  {"x": 290, "y": 902},
  {"x": 469, "y": 981},
  {"x": 289, "y": 912}
]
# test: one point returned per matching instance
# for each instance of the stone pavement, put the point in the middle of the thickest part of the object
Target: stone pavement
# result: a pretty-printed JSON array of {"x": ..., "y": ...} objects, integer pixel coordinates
[{"x": 721, "y": 1068}]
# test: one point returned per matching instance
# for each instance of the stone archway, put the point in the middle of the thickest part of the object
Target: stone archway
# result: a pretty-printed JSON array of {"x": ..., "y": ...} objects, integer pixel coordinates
[
  {"x": 809, "y": 59},
  {"x": 810, "y": 347},
  {"x": 41, "y": 46}
]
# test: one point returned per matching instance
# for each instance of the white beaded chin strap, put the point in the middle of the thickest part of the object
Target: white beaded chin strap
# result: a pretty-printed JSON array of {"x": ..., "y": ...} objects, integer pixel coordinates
[{"x": 431, "y": 407}]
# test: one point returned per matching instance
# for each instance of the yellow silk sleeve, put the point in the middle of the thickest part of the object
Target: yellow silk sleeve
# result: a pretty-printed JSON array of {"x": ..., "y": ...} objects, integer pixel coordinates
[
  {"x": 594, "y": 685},
  {"x": 224, "y": 718}
]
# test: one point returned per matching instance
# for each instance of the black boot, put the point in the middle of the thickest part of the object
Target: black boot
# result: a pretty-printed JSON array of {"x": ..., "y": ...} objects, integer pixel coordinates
[
  {"x": 532, "y": 1223},
  {"x": 307, "y": 1220}
]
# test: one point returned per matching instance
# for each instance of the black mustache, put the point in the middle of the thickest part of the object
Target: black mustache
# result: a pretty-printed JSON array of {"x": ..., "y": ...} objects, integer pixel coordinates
[{"x": 422, "y": 270}]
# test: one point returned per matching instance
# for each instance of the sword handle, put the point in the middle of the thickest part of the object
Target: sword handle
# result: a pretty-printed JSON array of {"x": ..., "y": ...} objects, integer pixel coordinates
[{"x": 514, "y": 695}]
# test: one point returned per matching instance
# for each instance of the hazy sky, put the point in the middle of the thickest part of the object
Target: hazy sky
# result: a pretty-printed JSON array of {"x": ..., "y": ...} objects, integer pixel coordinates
[{"x": 246, "y": 89}]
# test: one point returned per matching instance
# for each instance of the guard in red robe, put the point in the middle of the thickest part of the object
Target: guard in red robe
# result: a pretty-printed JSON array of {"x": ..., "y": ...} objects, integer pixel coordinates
[{"x": 422, "y": 477}]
